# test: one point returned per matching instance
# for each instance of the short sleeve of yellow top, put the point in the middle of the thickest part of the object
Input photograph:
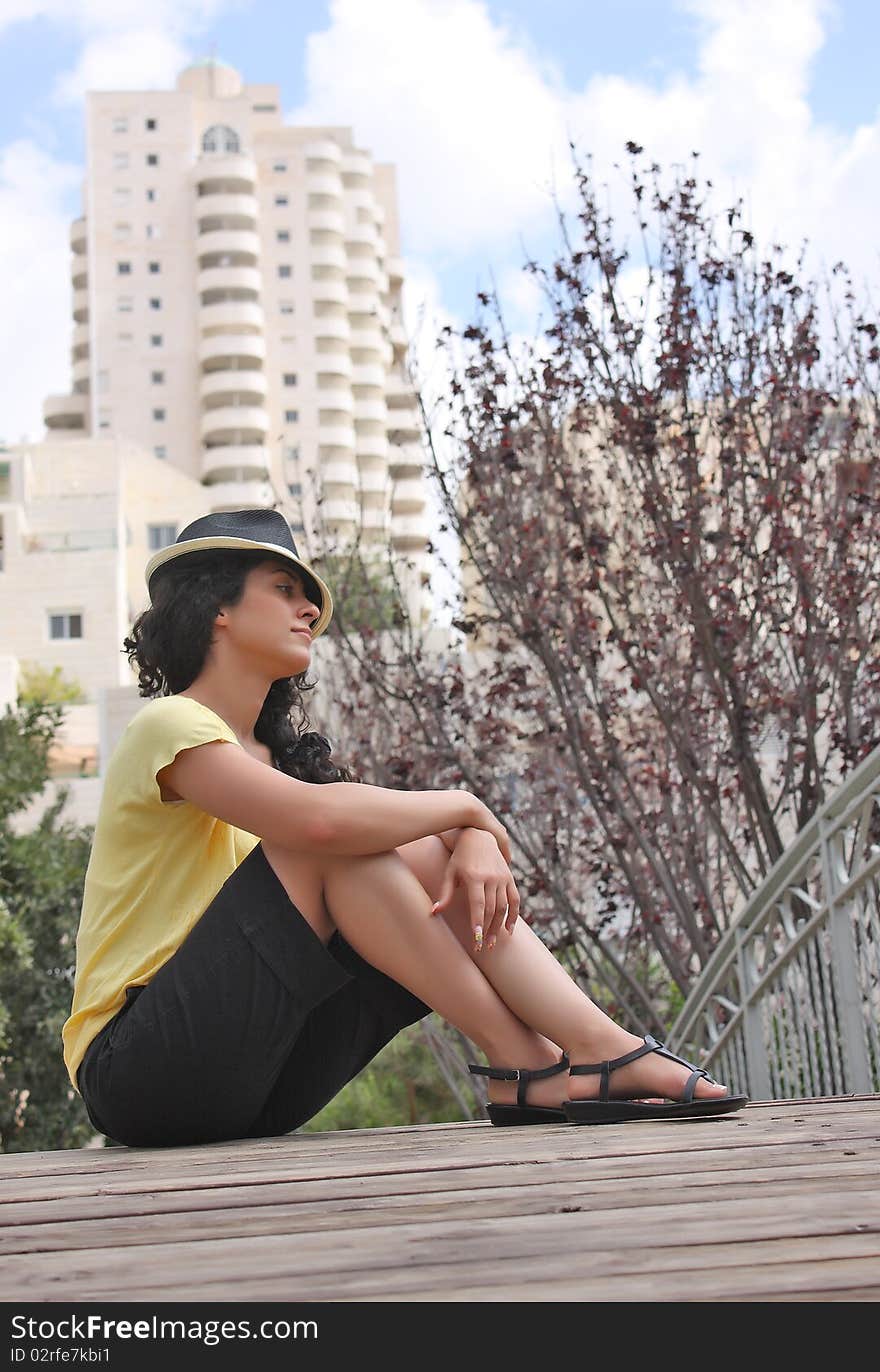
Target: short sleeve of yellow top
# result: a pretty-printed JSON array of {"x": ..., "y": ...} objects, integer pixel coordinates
[{"x": 154, "y": 867}]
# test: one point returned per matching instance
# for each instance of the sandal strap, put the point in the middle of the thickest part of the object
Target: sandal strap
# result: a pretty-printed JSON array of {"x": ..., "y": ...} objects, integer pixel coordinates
[
  {"x": 522, "y": 1075},
  {"x": 650, "y": 1045}
]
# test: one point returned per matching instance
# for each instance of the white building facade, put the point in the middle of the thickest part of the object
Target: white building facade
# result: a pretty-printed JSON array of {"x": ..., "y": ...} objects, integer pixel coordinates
[{"x": 237, "y": 310}]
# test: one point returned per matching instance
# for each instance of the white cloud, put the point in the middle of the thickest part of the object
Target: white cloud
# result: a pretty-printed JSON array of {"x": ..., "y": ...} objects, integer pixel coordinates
[
  {"x": 34, "y": 257},
  {"x": 478, "y": 127}
]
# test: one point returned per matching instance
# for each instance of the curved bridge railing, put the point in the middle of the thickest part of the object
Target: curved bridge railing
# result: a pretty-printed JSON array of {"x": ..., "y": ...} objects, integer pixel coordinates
[{"x": 788, "y": 1006}]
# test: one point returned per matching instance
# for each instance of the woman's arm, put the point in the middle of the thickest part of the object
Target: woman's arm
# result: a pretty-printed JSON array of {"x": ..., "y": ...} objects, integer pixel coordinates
[{"x": 344, "y": 817}]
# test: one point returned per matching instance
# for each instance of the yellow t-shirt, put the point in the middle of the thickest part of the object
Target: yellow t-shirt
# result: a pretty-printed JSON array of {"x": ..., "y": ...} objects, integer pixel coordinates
[{"x": 154, "y": 867}]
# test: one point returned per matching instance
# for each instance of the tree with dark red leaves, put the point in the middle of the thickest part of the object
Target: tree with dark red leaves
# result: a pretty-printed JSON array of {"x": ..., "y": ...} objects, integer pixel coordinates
[{"x": 668, "y": 514}]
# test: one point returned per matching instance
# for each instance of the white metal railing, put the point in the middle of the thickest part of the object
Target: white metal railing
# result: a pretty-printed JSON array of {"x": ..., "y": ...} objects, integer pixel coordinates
[{"x": 788, "y": 1006}]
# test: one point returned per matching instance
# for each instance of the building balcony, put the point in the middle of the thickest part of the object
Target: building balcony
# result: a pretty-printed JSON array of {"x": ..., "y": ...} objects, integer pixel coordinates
[
  {"x": 219, "y": 209},
  {"x": 231, "y": 316},
  {"x": 335, "y": 398},
  {"x": 245, "y": 386},
  {"x": 397, "y": 334},
  {"x": 375, "y": 410},
  {"x": 65, "y": 411},
  {"x": 234, "y": 424},
  {"x": 239, "y": 495},
  {"x": 363, "y": 233},
  {"x": 409, "y": 531},
  {"x": 333, "y": 326},
  {"x": 337, "y": 511},
  {"x": 334, "y": 370},
  {"x": 236, "y": 462},
  {"x": 330, "y": 290},
  {"x": 225, "y": 172},
  {"x": 405, "y": 460},
  {"x": 368, "y": 338},
  {"x": 331, "y": 221},
  {"x": 373, "y": 478},
  {"x": 232, "y": 351},
  {"x": 323, "y": 150},
  {"x": 404, "y": 424},
  {"x": 228, "y": 279},
  {"x": 81, "y": 306},
  {"x": 372, "y": 446},
  {"x": 339, "y": 474},
  {"x": 81, "y": 341},
  {"x": 368, "y": 374},
  {"x": 394, "y": 268},
  {"x": 336, "y": 436},
  {"x": 241, "y": 243},
  {"x": 364, "y": 274},
  {"x": 399, "y": 392},
  {"x": 363, "y": 302},
  {"x": 408, "y": 495},
  {"x": 81, "y": 372},
  {"x": 324, "y": 183},
  {"x": 357, "y": 164},
  {"x": 78, "y": 236},
  {"x": 374, "y": 517},
  {"x": 328, "y": 255}
]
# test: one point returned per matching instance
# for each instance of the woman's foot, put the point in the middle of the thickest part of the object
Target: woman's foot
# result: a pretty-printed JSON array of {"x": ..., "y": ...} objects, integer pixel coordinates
[{"x": 651, "y": 1077}]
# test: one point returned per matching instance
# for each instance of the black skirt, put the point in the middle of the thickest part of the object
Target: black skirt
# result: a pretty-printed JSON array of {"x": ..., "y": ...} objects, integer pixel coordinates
[{"x": 248, "y": 1029}]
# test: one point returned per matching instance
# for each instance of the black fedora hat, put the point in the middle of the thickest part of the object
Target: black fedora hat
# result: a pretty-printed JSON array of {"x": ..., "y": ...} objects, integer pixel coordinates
[{"x": 237, "y": 530}]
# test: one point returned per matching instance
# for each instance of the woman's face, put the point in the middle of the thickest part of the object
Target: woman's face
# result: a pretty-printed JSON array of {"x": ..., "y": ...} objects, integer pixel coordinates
[{"x": 270, "y": 625}]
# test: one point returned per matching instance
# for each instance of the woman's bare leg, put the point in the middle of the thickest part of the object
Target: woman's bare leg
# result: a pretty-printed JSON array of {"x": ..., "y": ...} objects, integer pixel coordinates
[
  {"x": 516, "y": 1003},
  {"x": 537, "y": 988},
  {"x": 383, "y": 911}
]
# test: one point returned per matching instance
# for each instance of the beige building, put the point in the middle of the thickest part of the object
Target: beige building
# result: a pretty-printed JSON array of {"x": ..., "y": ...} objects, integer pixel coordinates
[{"x": 237, "y": 310}]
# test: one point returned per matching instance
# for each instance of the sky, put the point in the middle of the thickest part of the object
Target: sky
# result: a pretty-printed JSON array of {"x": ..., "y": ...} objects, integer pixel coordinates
[{"x": 475, "y": 102}]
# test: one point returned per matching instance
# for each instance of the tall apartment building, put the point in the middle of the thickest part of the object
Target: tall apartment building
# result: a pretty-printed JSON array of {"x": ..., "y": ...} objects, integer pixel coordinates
[{"x": 237, "y": 310}]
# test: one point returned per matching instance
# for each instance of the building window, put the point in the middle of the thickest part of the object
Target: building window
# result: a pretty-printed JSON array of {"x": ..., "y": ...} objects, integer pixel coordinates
[
  {"x": 160, "y": 536},
  {"x": 154, "y": 268},
  {"x": 291, "y": 416},
  {"x": 124, "y": 304},
  {"x": 123, "y": 268},
  {"x": 5, "y": 485},
  {"x": 159, "y": 415},
  {"x": 279, "y": 166},
  {"x": 220, "y": 138},
  {"x": 151, "y": 194},
  {"x": 121, "y": 195},
  {"x": 264, "y": 109},
  {"x": 292, "y": 454},
  {"x": 152, "y": 159},
  {"x": 283, "y": 235},
  {"x": 152, "y": 230},
  {"x": 157, "y": 378},
  {"x": 162, "y": 452},
  {"x": 103, "y": 419},
  {"x": 155, "y": 302},
  {"x": 103, "y": 381},
  {"x": 290, "y": 378},
  {"x": 295, "y": 487},
  {"x": 120, "y": 161},
  {"x": 155, "y": 340},
  {"x": 285, "y": 269},
  {"x": 122, "y": 231},
  {"x": 125, "y": 338},
  {"x": 286, "y": 307},
  {"x": 65, "y": 626},
  {"x": 281, "y": 200},
  {"x": 120, "y": 124},
  {"x": 151, "y": 125},
  {"x": 298, "y": 527}
]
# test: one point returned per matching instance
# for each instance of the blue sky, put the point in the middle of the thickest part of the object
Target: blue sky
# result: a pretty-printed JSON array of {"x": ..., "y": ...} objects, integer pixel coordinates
[{"x": 473, "y": 101}]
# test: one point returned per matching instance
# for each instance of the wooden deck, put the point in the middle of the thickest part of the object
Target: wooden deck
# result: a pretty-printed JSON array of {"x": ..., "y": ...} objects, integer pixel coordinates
[{"x": 778, "y": 1203}]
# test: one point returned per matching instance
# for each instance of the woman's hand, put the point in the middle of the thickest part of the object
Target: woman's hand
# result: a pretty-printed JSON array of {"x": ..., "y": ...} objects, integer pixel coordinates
[{"x": 476, "y": 864}]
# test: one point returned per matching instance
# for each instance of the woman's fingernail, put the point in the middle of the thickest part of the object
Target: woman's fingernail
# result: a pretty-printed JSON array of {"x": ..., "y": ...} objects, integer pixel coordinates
[
  {"x": 478, "y": 936},
  {"x": 491, "y": 943}
]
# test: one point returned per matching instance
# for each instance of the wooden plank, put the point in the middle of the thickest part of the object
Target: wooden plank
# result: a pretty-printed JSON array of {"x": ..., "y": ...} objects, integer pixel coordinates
[
  {"x": 298, "y": 1216},
  {"x": 652, "y": 1175},
  {"x": 577, "y": 1240}
]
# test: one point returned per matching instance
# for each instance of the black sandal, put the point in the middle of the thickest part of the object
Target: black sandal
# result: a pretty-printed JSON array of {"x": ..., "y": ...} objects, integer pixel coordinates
[
  {"x": 521, "y": 1113},
  {"x": 604, "y": 1110}
]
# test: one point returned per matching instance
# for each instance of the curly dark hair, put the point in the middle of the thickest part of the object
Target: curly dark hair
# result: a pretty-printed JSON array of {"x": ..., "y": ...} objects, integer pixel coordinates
[{"x": 170, "y": 640}]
